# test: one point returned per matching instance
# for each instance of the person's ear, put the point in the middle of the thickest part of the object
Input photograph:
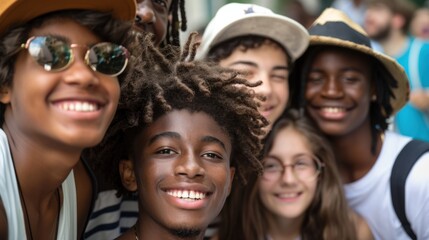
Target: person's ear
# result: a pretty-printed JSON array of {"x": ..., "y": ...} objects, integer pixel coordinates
[
  {"x": 128, "y": 178},
  {"x": 5, "y": 95},
  {"x": 231, "y": 178}
]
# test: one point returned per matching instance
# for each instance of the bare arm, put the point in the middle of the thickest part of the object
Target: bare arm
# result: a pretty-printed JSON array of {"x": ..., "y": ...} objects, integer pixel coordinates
[
  {"x": 420, "y": 99},
  {"x": 362, "y": 228}
]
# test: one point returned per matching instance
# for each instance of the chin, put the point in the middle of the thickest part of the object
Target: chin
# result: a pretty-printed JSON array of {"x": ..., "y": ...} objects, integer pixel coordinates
[{"x": 186, "y": 231}]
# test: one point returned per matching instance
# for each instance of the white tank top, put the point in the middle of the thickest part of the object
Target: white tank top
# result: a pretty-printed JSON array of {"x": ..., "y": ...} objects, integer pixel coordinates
[{"x": 9, "y": 193}]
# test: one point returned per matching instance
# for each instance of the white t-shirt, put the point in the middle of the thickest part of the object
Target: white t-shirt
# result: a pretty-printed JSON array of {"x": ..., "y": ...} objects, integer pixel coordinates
[
  {"x": 9, "y": 194},
  {"x": 370, "y": 195}
]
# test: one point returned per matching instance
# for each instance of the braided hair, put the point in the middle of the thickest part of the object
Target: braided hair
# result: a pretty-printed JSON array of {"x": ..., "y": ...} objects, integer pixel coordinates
[{"x": 164, "y": 80}]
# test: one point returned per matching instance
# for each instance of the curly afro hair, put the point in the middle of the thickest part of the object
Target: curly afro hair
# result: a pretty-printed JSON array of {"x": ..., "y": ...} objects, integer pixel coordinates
[{"x": 166, "y": 79}]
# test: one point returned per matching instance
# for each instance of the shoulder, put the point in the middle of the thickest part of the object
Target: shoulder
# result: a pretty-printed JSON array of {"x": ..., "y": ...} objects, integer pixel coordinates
[
  {"x": 362, "y": 228},
  {"x": 84, "y": 194}
]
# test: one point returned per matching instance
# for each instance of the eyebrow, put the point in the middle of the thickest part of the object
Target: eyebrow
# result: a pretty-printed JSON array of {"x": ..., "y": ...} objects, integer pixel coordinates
[
  {"x": 256, "y": 65},
  {"x": 164, "y": 135},
  {"x": 345, "y": 69},
  {"x": 211, "y": 139}
]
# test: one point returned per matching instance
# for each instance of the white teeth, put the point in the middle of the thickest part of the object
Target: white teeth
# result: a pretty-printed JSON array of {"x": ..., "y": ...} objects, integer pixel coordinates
[
  {"x": 185, "y": 194},
  {"x": 78, "y": 106},
  {"x": 288, "y": 195},
  {"x": 333, "y": 109}
]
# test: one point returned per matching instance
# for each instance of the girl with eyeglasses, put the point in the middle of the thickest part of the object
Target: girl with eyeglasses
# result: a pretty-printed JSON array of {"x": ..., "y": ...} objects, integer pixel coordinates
[
  {"x": 299, "y": 194},
  {"x": 62, "y": 68}
]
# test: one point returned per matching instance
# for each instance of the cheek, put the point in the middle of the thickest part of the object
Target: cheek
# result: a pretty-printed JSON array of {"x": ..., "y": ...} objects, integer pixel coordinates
[
  {"x": 312, "y": 187},
  {"x": 282, "y": 91},
  {"x": 114, "y": 89},
  {"x": 265, "y": 189}
]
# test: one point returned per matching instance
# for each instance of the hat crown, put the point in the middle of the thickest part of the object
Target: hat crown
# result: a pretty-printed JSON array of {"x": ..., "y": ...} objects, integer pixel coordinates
[
  {"x": 240, "y": 19},
  {"x": 13, "y": 12},
  {"x": 333, "y": 15}
]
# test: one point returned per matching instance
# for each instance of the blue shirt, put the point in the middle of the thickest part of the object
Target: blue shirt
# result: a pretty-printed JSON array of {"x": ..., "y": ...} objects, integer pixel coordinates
[{"x": 411, "y": 121}]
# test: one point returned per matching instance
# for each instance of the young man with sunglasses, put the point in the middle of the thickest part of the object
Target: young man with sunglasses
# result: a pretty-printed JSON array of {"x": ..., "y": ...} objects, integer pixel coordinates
[{"x": 61, "y": 73}]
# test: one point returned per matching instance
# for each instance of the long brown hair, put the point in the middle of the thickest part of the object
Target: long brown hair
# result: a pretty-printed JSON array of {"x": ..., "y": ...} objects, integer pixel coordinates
[{"x": 327, "y": 217}]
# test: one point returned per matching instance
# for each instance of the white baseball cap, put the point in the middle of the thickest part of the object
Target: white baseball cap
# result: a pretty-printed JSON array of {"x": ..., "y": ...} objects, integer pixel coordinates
[{"x": 237, "y": 19}]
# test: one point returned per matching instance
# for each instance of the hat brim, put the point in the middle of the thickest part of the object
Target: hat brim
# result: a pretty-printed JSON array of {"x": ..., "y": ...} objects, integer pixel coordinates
[
  {"x": 14, "y": 12},
  {"x": 401, "y": 92},
  {"x": 289, "y": 34}
]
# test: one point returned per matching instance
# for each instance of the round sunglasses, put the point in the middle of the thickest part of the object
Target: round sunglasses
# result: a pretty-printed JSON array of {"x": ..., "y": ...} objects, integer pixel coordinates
[{"x": 55, "y": 54}]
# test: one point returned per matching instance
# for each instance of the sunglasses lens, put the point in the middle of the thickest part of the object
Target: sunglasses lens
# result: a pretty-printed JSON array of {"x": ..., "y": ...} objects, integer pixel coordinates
[
  {"x": 51, "y": 53},
  {"x": 108, "y": 58}
]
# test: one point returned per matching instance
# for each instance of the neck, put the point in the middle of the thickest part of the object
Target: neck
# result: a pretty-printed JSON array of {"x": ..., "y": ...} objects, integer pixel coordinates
[
  {"x": 395, "y": 44},
  {"x": 353, "y": 153},
  {"x": 40, "y": 167},
  {"x": 282, "y": 228}
]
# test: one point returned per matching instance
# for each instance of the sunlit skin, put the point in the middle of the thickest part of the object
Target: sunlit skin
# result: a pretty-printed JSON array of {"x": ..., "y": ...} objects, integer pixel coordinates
[
  {"x": 153, "y": 15},
  {"x": 45, "y": 139},
  {"x": 37, "y": 96},
  {"x": 180, "y": 152},
  {"x": 287, "y": 198},
  {"x": 338, "y": 91},
  {"x": 267, "y": 63}
]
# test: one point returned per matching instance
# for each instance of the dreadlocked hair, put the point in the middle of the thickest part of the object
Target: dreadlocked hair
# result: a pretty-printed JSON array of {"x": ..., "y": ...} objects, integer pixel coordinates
[
  {"x": 176, "y": 24},
  {"x": 383, "y": 83},
  {"x": 164, "y": 80}
]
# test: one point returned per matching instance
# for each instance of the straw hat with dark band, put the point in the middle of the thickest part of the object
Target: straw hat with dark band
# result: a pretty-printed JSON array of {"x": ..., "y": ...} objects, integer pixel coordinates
[
  {"x": 13, "y": 12},
  {"x": 333, "y": 27}
]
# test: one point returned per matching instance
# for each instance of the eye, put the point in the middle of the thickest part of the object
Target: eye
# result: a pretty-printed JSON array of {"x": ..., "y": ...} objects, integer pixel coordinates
[
  {"x": 278, "y": 78},
  {"x": 161, "y": 3},
  {"x": 304, "y": 162},
  {"x": 271, "y": 165},
  {"x": 212, "y": 155},
  {"x": 166, "y": 151},
  {"x": 315, "y": 79}
]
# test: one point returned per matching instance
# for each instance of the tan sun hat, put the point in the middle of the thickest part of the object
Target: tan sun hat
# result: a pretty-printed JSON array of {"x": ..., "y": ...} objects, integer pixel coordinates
[
  {"x": 239, "y": 19},
  {"x": 14, "y": 12},
  {"x": 333, "y": 27}
]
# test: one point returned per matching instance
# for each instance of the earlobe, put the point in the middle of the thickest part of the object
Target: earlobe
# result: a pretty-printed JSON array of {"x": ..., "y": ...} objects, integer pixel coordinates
[
  {"x": 128, "y": 178},
  {"x": 4, "y": 95}
]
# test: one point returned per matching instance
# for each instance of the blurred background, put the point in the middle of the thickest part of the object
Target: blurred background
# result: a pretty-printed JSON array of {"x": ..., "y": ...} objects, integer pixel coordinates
[{"x": 199, "y": 12}]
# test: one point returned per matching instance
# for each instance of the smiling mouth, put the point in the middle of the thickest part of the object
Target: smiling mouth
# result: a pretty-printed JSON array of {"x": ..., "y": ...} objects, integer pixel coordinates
[
  {"x": 78, "y": 106},
  {"x": 288, "y": 195},
  {"x": 187, "y": 195},
  {"x": 333, "y": 109}
]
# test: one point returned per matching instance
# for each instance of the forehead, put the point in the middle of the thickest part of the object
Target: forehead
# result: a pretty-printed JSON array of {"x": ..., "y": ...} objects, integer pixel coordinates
[
  {"x": 343, "y": 56},
  {"x": 67, "y": 28},
  {"x": 190, "y": 125}
]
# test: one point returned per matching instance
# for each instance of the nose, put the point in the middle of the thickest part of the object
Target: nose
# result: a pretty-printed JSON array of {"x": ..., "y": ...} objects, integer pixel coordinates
[
  {"x": 332, "y": 89},
  {"x": 265, "y": 88},
  {"x": 288, "y": 176},
  {"x": 145, "y": 13},
  {"x": 190, "y": 166},
  {"x": 79, "y": 73}
]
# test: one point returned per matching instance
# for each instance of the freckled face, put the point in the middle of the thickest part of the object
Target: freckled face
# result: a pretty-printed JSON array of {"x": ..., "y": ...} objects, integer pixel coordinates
[
  {"x": 267, "y": 63},
  {"x": 69, "y": 108},
  {"x": 183, "y": 171},
  {"x": 338, "y": 91}
]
